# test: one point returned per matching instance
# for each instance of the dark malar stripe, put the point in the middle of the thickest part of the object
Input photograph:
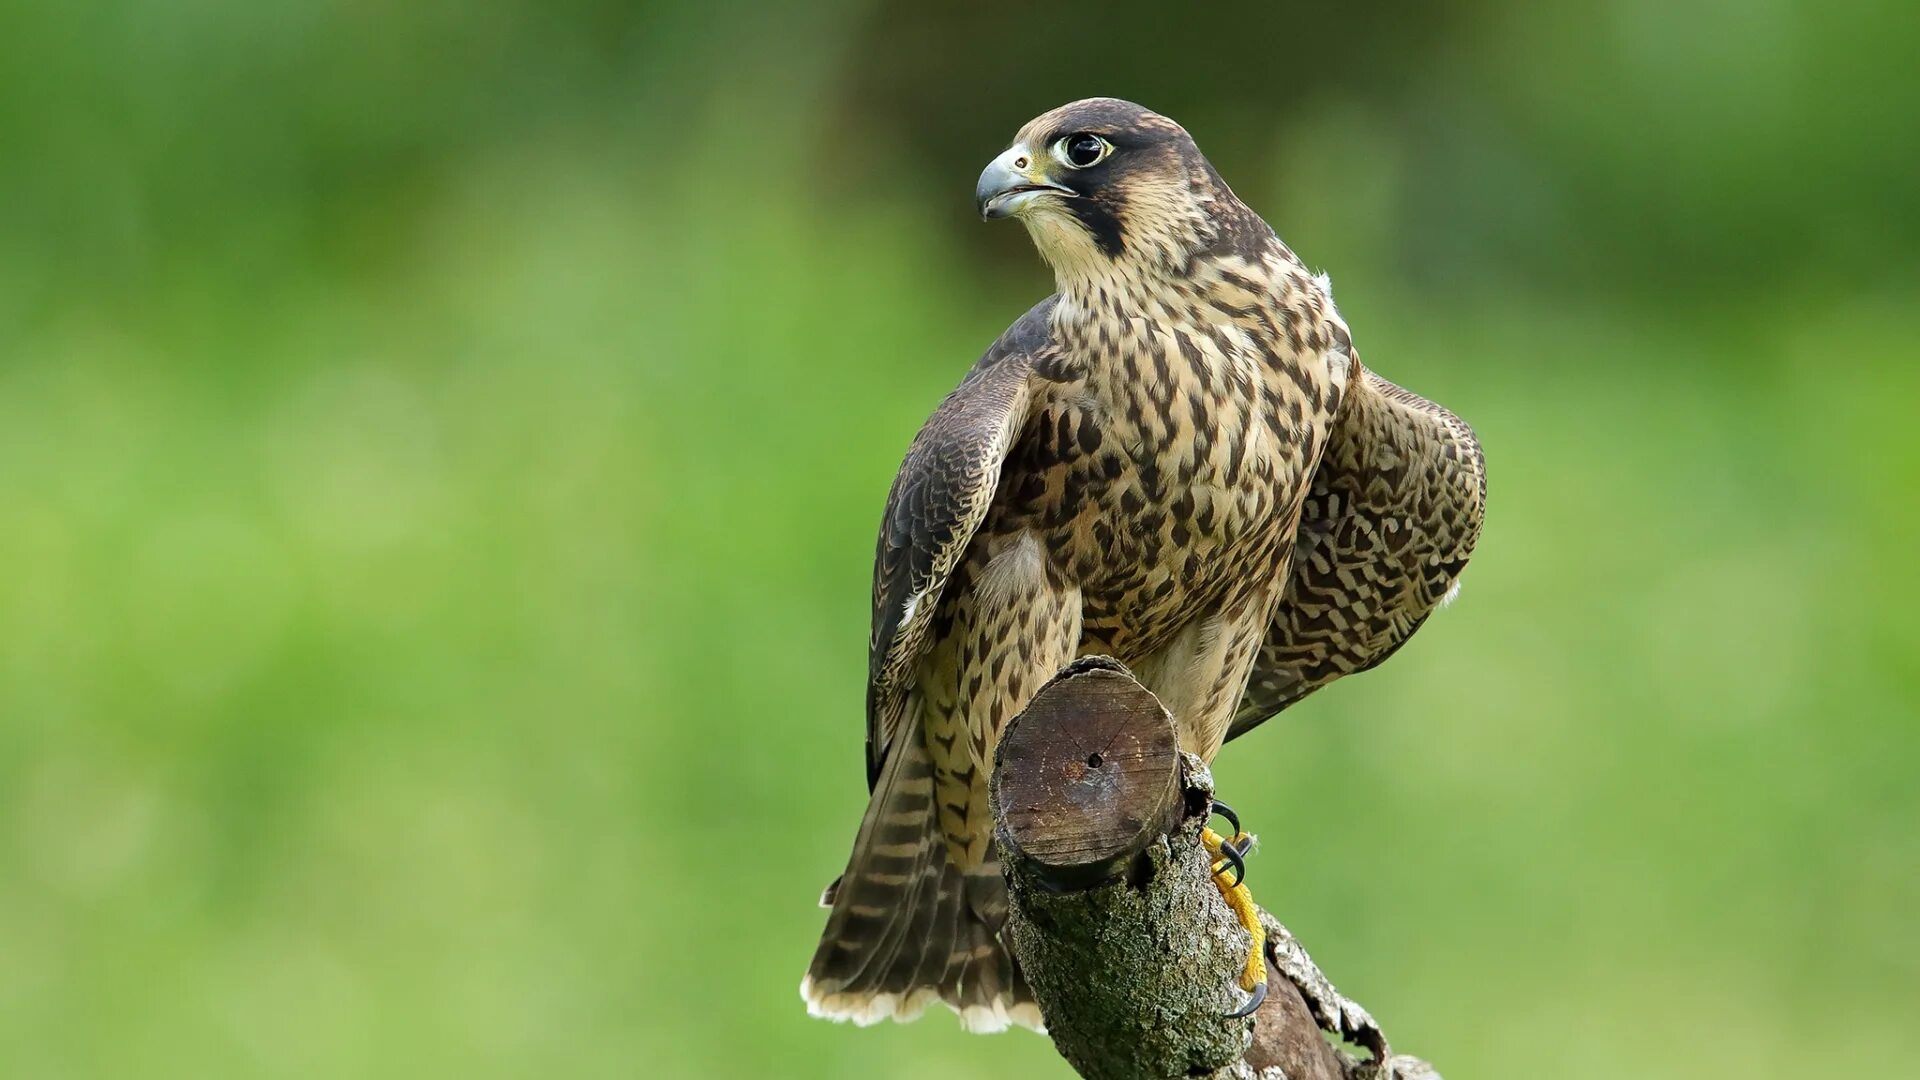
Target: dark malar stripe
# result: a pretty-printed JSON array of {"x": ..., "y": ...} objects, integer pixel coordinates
[{"x": 1101, "y": 222}]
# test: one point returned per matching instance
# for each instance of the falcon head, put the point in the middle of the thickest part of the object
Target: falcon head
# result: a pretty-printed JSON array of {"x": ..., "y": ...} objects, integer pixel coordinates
[{"x": 1102, "y": 182}]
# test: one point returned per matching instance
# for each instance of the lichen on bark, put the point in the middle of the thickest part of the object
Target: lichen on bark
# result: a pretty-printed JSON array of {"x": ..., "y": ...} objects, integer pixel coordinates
[{"x": 1138, "y": 970}]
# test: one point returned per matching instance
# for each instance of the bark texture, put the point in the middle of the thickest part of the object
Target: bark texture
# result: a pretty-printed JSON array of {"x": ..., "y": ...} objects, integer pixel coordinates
[{"x": 1116, "y": 922}]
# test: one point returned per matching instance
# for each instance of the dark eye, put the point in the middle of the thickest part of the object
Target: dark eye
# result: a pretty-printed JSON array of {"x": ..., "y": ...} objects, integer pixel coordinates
[{"x": 1082, "y": 151}]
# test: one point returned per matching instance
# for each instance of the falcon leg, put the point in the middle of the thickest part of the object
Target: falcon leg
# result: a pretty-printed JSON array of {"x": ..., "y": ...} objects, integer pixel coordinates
[
  {"x": 1229, "y": 855},
  {"x": 1199, "y": 677}
]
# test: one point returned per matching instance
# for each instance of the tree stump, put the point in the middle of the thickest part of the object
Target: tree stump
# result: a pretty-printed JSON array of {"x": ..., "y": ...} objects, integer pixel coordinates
[{"x": 1113, "y": 914}]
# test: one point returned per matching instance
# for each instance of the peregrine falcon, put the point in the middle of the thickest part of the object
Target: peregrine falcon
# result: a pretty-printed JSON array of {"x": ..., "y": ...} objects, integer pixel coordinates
[{"x": 1176, "y": 460}]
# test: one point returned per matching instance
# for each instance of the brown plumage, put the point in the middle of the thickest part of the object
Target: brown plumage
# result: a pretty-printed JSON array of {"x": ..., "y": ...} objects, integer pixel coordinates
[{"x": 1178, "y": 461}]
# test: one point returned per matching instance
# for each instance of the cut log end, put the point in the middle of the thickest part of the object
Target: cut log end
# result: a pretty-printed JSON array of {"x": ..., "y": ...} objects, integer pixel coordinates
[{"x": 1088, "y": 775}]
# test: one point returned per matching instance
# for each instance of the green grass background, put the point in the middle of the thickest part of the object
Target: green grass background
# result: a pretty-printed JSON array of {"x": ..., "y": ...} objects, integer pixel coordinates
[{"x": 440, "y": 447}]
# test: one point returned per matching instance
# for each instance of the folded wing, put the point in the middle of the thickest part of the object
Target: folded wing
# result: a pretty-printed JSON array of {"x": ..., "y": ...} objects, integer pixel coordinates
[
  {"x": 1390, "y": 521},
  {"x": 938, "y": 499}
]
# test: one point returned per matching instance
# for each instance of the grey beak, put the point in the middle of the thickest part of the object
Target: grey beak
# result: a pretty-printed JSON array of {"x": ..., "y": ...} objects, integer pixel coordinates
[{"x": 1010, "y": 182}]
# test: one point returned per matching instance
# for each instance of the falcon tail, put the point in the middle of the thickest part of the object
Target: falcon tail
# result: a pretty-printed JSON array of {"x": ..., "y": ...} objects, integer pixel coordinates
[{"x": 908, "y": 927}]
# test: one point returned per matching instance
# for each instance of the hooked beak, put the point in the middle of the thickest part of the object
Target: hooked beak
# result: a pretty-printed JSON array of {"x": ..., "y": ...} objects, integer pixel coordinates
[{"x": 1012, "y": 181}]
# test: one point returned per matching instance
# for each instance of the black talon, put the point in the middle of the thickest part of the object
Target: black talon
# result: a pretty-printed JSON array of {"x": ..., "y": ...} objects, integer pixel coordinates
[
  {"x": 1253, "y": 1002},
  {"x": 1226, "y": 811},
  {"x": 1235, "y": 859}
]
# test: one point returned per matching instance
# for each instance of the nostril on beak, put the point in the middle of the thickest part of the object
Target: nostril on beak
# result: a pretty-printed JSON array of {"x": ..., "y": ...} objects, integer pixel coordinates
[{"x": 1020, "y": 163}]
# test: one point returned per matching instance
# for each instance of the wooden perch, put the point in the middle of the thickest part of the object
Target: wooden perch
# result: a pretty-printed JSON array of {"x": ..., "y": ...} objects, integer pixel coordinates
[{"x": 1115, "y": 920}]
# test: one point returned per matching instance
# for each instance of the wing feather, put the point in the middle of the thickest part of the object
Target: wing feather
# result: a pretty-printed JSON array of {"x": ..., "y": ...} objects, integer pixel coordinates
[
  {"x": 942, "y": 492},
  {"x": 1388, "y": 525}
]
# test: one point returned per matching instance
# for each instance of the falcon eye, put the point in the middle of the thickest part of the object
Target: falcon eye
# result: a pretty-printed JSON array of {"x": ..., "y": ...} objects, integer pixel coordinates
[{"x": 1081, "y": 151}]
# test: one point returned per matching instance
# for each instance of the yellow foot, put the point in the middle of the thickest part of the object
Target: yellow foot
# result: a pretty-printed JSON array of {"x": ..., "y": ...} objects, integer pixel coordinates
[{"x": 1229, "y": 872}]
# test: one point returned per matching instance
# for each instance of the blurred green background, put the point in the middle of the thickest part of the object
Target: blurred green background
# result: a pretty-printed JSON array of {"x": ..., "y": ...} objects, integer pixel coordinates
[{"x": 440, "y": 446}]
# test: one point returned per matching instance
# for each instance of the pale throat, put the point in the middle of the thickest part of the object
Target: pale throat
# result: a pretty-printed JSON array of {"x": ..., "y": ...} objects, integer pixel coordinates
[
  {"x": 1092, "y": 283},
  {"x": 1157, "y": 267}
]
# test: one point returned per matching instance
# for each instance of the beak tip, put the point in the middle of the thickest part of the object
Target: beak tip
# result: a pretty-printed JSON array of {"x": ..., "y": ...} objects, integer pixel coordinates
[{"x": 998, "y": 180}]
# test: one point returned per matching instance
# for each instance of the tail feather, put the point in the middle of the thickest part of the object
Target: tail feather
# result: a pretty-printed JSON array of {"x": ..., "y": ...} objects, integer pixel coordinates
[{"x": 908, "y": 928}]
